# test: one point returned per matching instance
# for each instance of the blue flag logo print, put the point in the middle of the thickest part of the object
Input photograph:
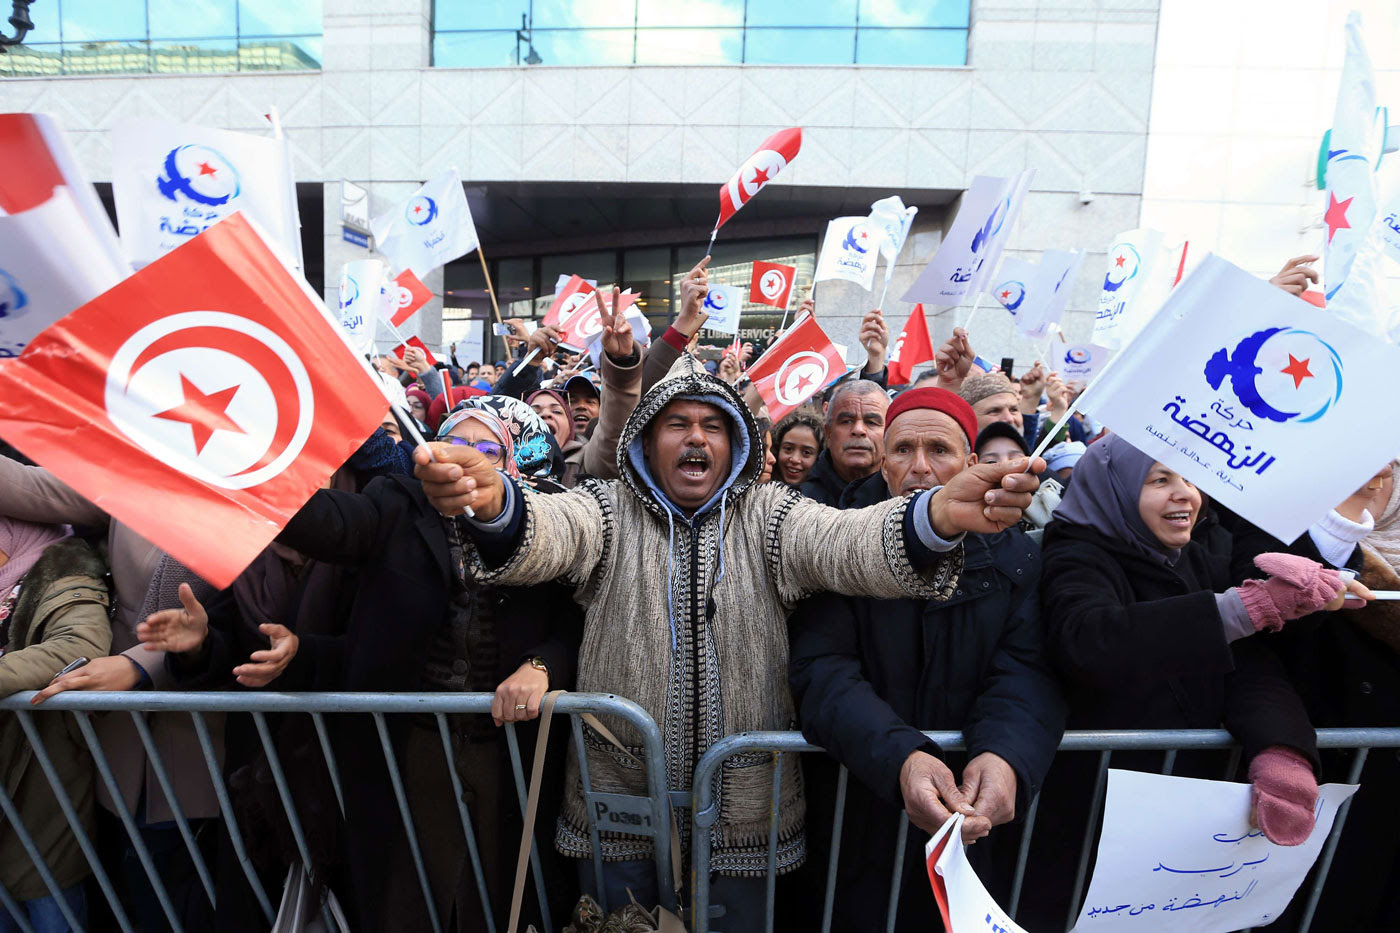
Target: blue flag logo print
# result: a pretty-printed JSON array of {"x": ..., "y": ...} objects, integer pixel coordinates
[
  {"x": 1122, "y": 267},
  {"x": 349, "y": 292},
  {"x": 198, "y": 174},
  {"x": 715, "y": 302},
  {"x": 421, "y": 211},
  {"x": 857, "y": 239},
  {"x": 1011, "y": 294},
  {"x": 1281, "y": 374},
  {"x": 12, "y": 297},
  {"x": 992, "y": 227},
  {"x": 1076, "y": 356}
]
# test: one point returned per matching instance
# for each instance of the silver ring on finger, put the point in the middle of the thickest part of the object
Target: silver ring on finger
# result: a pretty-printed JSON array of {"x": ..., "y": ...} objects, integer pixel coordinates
[{"x": 521, "y": 706}]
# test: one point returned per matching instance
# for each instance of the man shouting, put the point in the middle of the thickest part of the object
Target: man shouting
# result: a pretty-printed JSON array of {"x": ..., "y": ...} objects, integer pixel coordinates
[{"x": 687, "y": 570}]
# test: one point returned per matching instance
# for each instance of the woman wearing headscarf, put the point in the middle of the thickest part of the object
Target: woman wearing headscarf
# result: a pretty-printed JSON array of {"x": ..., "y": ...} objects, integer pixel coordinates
[
  {"x": 416, "y": 623},
  {"x": 53, "y": 611},
  {"x": 1147, "y": 633},
  {"x": 1346, "y": 667}
]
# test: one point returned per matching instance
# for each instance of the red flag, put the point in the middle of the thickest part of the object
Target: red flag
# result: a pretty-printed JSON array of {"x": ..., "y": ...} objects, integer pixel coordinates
[
  {"x": 586, "y": 323},
  {"x": 415, "y": 342},
  {"x": 772, "y": 284},
  {"x": 568, "y": 300},
  {"x": 410, "y": 295},
  {"x": 201, "y": 401},
  {"x": 800, "y": 364},
  {"x": 770, "y": 158},
  {"x": 912, "y": 348},
  {"x": 940, "y": 890}
]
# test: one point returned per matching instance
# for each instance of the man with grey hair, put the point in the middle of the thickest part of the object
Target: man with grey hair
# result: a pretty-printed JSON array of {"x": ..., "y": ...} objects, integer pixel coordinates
[{"x": 855, "y": 440}]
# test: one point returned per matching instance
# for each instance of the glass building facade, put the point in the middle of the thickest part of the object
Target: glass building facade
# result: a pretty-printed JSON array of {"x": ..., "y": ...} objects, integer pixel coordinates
[
  {"x": 80, "y": 37},
  {"x": 493, "y": 33}
]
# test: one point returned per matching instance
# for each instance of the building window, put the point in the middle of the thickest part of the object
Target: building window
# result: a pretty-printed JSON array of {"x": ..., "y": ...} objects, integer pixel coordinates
[
  {"x": 81, "y": 37},
  {"x": 495, "y": 33}
]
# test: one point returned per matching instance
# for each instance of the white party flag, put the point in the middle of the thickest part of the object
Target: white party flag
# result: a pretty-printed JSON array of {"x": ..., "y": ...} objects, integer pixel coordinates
[
  {"x": 966, "y": 259},
  {"x": 172, "y": 181},
  {"x": 1058, "y": 271},
  {"x": 963, "y": 900},
  {"x": 430, "y": 229},
  {"x": 724, "y": 304},
  {"x": 850, "y": 252},
  {"x": 893, "y": 220},
  {"x": 1142, "y": 268},
  {"x": 51, "y": 262},
  {"x": 1182, "y": 855},
  {"x": 1079, "y": 362},
  {"x": 363, "y": 300},
  {"x": 1242, "y": 404}
]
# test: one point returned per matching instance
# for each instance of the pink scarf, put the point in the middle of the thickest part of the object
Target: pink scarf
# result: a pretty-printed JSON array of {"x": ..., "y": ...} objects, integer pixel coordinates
[{"x": 24, "y": 543}]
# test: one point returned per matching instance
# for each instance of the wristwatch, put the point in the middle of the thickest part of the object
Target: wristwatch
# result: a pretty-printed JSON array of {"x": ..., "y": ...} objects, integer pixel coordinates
[{"x": 538, "y": 664}]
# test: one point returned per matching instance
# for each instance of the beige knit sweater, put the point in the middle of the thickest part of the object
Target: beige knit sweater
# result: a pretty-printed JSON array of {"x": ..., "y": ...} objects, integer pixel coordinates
[{"x": 712, "y": 658}]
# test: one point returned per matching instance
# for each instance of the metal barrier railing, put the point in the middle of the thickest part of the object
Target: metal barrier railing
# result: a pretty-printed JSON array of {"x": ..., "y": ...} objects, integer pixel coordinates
[
  {"x": 705, "y": 811},
  {"x": 82, "y": 705}
]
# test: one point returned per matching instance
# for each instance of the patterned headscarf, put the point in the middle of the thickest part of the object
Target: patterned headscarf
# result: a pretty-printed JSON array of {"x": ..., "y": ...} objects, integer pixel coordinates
[
  {"x": 494, "y": 424},
  {"x": 535, "y": 450}
]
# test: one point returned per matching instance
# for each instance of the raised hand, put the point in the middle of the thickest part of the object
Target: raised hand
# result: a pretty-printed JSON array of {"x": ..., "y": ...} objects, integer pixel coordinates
[
  {"x": 953, "y": 361},
  {"x": 1296, "y": 274},
  {"x": 180, "y": 631},
  {"x": 617, "y": 330},
  {"x": 544, "y": 339},
  {"x": 985, "y": 499},
  {"x": 875, "y": 337},
  {"x": 264, "y": 667},
  {"x": 694, "y": 287},
  {"x": 415, "y": 360},
  {"x": 808, "y": 306},
  {"x": 456, "y": 478}
]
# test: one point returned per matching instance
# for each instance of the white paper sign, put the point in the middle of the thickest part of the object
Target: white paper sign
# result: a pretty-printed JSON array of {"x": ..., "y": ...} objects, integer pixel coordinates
[
  {"x": 724, "y": 304},
  {"x": 1179, "y": 854},
  {"x": 1078, "y": 362},
  {"x": 1241, "y": 404}
]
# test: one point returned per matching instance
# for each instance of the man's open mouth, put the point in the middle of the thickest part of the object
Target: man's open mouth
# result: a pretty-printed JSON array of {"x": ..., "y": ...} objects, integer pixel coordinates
[{"x": 694, "y": 466}]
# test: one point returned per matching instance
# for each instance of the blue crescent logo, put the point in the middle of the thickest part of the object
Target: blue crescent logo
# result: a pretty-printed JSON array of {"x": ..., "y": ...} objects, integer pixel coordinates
[
  {"x": 856, "y": 239},
  {"x": 1122, "y": 267},
  {"x": 200, "y": 174},
  {"x": 1281, "y": 374},
  {"x": 1076, "y": 356},
  {"x": 349, "y": 292},
  {"x": 12, "y": 297},
  {"x": 992, "y": 227},
  {"x": 421, "y": 211},
  {"x": 1011, "y": 294},
  {"x": 716, "y": 301}
]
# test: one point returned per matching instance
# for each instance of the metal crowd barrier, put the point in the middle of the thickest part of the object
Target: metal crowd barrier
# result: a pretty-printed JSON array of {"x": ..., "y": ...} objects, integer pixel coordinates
[
  {"x": 317, "y": 706},
  {"x": 705, "y": 811}
]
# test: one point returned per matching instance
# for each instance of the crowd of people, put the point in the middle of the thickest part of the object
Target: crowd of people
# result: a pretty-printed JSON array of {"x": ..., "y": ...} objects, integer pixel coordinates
[{"x": 881, "y": 562}]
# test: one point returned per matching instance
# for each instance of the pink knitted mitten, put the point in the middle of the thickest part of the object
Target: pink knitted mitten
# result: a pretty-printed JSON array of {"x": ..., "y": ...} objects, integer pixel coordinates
[
  {"x": 1285, "y": 793},
  {"x": 1296, "y": 587}
]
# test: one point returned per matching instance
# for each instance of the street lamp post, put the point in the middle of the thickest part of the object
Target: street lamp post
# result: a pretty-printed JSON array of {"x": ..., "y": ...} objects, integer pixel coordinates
[{"x": 20, "y": 20}]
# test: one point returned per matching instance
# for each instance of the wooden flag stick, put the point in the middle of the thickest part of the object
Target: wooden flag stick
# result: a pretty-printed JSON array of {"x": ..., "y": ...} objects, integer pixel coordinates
[
  {"x": 490, "y": 289},
  {"x": 967, "y": 325}
]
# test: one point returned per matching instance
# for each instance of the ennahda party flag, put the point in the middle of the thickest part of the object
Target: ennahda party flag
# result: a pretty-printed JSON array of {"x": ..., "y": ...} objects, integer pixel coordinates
[
  {"x": 361, "y": 301},
  {"x": 1351, "y": 254},
  {"x": 172, "y": 181},
  {"x": 798, "y": 365},
  {"x": 770, "y": 158},
  {"x": 1035, "y": 294},
  {"x": 430, "y": 229},
  {"x": 41, "y": 162},
  {"x": 409, "y": 294},
  {"x": 1142, "y": 268},
  {"x": 913, "y": 347},
  {"x": 850, "y": 250},
  {"x": 724, "y": 304},
  {"x": 967, "y": 258},
  {"x": 1014, "y": 285},
  {"x": 893, "y": 220},
  {"x": 771, "y": 283},
  {"x": 201, "y": 401},
  {"x": 1253, "y": 406}
]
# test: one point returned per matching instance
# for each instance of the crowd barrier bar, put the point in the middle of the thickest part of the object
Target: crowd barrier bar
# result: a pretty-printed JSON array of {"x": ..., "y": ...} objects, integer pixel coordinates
[
  {"x": 378, "y": 706},
  {"x": 705, "y": 808}
]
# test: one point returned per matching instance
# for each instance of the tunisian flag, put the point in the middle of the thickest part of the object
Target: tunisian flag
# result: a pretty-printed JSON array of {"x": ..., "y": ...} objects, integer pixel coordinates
[
  {"x": 800, "y": 364},
  {"x": 770, "y": 158},
  {"x": 200, "y": 401},
  {"x": 912, "y": 348},
  {"x": 575, "y": 293},
  {"x": 771, "y": 283},
  {"x": 409, "y": 294}
]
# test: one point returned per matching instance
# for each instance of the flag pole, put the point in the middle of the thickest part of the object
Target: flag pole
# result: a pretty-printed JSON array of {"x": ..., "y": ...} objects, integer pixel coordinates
[
  {"x": 967, "y": 325},
  {"x": 490, "y": 290}
]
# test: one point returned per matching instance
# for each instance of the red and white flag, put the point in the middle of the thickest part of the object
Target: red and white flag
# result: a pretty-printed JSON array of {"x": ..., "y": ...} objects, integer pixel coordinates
[
  {"x": 408, "y": 294},
  {"x": 201, "y": 401},
  {"x": 402, "y": 348},
  {"x": 770, "y": 158},
  {"x": 912, "y": 348},
  {"x": 800, "y": 364},
  {"x": 585, "y": 324},
  {"x": 568, "y": 299},
  {"x": 772, "y": 284}
]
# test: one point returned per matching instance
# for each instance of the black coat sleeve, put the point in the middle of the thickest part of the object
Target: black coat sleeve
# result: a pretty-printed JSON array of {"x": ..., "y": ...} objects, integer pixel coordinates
[
  {"x": 1019, "y": 713},
  {"x": 838, "y": 707},
  {"x": 1262, "y": 707},
  {"x": 229, "y": 642},
  {"x": 1099, "y": 634},
  {"x": 337, "y": 527}
]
